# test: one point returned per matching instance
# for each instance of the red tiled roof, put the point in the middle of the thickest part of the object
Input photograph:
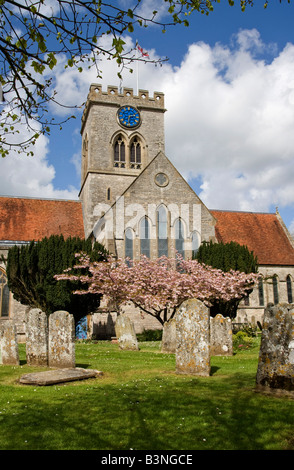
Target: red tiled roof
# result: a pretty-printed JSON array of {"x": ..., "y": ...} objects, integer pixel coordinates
[
  {"x": 261, "y": 233},
  {"x": 26, "y": 219}
]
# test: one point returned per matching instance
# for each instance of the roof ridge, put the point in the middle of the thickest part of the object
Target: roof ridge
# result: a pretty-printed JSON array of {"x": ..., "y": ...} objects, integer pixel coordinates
[
  {"x": 242, "y": 212},
  {"x": 39, "y": 198}
]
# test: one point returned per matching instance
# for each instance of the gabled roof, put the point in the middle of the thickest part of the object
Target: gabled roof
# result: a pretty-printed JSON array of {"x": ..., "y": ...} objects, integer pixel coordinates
[
  {"x": 262, "y": 233},
  {"x": 26, "y": 219}
]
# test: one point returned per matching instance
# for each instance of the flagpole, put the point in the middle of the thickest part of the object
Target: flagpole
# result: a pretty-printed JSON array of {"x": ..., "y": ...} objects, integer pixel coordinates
[{"x": 137, "y": 66}]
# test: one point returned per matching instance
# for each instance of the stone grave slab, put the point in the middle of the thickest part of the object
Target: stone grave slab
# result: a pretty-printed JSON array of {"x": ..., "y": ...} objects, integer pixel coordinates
[{"x": 51, "y": 377}]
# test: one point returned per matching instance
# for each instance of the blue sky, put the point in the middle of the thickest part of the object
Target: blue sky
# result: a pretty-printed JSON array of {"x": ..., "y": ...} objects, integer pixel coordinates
[{"x": 230, "y": 111}]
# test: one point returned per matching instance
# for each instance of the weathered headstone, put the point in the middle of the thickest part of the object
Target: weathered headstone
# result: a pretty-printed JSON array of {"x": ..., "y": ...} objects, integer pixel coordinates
[
  {"x": 61, "y": 340},
  {"x": 193, "y": 352},
  {"x": 8, "y": 344},
  {"x": 275, "y": 370},
  {"x": 52, "y": 377},
  {"x": 169, "y": 336},
  {"x": 125, "y": 333},
  {"x": 36, "y": 337},
  {"x": 221, "y": 338}
]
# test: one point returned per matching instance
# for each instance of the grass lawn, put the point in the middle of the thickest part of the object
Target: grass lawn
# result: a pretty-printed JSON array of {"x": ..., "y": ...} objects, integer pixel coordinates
[{"x": 140, "y": 403}]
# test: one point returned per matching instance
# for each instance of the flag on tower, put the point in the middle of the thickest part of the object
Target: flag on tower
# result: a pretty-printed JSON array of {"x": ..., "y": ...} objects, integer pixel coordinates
[{"x": 141, "y": 50}]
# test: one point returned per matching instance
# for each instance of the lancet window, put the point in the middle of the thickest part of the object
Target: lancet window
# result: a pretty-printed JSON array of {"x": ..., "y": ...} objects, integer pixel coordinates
[
  {"x": 129, "y": 243},
  {"x": 195, "y": 243},
  {"x": 276, "y": 290},
  {"x": 119, "y": 152},
  {"x": 135, "y": 154},
  {"x": 289, "y": 289},
  {"x": 260, "y": 292},
  {"x": 4, "y": 295},
  {"x": 179, "y": 237},
  {"x": 145, "y": 237},
  {"x": 162, "y": 240}
]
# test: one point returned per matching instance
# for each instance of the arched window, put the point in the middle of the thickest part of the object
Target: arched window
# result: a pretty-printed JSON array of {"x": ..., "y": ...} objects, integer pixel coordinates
[
  {"x": 135, "y": 154},
  {"x": 129, "y": 243},
  {"x": 260, "y": 292},
  {"x": 195, "y": 243},
  {"x": 276, "y": 290},
  {"x": 145, "y": 237},
  {"x": 162, "y": 242},
  {"x": 4, "y": 295},
  {"x": 289, "y": 289},
  {"x": 179, "y": 237},
  {"x": 119, "y": 153}
]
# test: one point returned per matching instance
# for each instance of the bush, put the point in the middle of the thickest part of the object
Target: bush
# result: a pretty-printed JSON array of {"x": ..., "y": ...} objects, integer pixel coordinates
[
  {"x": 150, "y": 335},
  {"x": 242, "y": 340}
]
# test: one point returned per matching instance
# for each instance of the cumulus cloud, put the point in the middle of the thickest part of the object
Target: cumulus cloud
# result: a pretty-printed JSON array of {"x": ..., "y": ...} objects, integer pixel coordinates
[
  {"x": 230, "y": 123},
  {"x": 31, "y": 176}
]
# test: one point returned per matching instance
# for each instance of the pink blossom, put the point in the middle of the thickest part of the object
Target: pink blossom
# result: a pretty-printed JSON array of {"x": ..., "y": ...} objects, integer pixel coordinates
[{"x": 160, "y": 285}]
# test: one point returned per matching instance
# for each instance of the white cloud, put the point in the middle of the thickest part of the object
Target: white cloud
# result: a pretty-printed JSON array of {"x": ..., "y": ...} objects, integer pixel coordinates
[
  {"x": 230, "y": 121},
  {"x": 31, "y": 176}
]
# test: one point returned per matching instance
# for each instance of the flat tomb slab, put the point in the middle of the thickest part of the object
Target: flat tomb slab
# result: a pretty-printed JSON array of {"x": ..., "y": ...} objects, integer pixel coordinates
[{"x": 51, "y": 377}]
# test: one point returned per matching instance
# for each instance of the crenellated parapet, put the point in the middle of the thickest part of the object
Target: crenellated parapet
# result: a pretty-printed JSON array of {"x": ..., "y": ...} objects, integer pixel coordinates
[{"x": 116, "y": 97}]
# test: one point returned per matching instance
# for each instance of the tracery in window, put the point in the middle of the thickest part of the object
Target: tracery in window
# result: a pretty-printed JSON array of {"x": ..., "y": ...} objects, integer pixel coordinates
[
  {"x": 4, "y": 295},
  {"x": 135, "y": 154},
  {"x": 119, "y": 152}
]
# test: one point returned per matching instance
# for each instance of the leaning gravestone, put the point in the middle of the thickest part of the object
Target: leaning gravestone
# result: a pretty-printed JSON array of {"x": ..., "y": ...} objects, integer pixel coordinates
[
  {"x": 221, "y": 338},
  {"x": 8, "y": 344},
  {"x": 169, "y": 336},
  {"x": 275, "y": 372},
  {"x": 125, "y": 333},
  {"x": 193, "y": 352},
  {"x": 61, "y": 340},
  {"x": 36, "y": 337}
]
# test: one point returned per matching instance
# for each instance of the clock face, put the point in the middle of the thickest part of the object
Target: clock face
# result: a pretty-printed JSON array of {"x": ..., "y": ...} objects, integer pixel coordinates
[{"x": 128, "y": 116}]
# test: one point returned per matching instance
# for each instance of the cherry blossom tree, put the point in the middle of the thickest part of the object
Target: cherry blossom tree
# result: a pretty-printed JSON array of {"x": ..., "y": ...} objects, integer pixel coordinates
[{"x": 158, "y": 286}]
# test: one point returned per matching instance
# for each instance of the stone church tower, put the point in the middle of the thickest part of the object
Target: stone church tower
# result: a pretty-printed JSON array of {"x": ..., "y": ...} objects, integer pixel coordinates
[{"x": 121, "y": 134}]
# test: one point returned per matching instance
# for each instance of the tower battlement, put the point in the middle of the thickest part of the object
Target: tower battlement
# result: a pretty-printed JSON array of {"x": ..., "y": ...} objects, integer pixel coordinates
[{"x": 115, "y": 97}]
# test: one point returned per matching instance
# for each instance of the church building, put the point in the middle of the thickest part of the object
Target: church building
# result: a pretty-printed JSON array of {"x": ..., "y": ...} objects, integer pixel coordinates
[{"x": 134, "y": 201}]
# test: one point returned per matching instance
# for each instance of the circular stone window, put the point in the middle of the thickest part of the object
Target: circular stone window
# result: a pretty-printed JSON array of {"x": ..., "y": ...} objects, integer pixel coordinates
[{"x": 161, "y": 179}]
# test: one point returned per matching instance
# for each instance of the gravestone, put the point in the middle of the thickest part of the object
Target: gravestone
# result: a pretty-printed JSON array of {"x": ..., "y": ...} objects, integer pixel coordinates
[
  {"x": 125, "y": 333},
  {"x": 193, "y": 352},
  {"x": 221, "y": 338},
  {"x": 57, "y": 376},
  {"x": 275, "y": 372},
  {"x": 8, "y": 344},
  {"x": 61, "y": 340},
  {"x": 36, "y": 337},
  {"x": 169, "y": 336}
]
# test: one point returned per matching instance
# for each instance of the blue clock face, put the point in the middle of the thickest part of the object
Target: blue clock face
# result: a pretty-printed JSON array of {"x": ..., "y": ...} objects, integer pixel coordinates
[{"x": 128, "y": 116}]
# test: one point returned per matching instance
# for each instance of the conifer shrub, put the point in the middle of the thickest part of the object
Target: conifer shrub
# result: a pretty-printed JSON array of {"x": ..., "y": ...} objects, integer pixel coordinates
[
  {"x": 31, "y": 269},
  {"x": 227, "y": 257}
]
